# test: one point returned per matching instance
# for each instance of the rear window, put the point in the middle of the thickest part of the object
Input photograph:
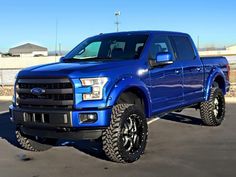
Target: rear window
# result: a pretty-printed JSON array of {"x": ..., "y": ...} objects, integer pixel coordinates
[{"x": 184, "y": 48}]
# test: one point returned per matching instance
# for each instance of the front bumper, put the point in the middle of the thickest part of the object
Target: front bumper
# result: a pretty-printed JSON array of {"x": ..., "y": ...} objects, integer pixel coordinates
[
  {"x": 59, "y": 123},
  {"x": 81, "y": 134}
]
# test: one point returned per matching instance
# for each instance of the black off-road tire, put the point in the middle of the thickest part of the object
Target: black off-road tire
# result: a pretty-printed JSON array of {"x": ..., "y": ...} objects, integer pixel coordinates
[
  {"x": 113, "y": 137},
  {"x": 207, "y": 108},
  {"x": 31, "y": 144}
]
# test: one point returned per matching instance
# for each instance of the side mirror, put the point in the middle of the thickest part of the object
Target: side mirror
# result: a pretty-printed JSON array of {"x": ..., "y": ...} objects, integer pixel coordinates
[
  {"x": 62, "y": 59},
  {"x": 163, "y": 59}
]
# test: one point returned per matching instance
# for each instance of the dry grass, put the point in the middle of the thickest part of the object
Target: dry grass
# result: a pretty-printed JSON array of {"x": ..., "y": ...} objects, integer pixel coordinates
[{"x": 6, "y": 90}]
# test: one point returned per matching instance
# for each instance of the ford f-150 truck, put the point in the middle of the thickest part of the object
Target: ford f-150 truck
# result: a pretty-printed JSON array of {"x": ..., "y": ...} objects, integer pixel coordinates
[{"x": 108, "y": 86}]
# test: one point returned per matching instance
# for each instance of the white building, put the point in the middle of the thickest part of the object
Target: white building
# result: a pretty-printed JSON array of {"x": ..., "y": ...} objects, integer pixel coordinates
[
  {"x": 231, "y": 48},
  {"x": 228, "y": 51},
  {"x": 29, "y": 50}
]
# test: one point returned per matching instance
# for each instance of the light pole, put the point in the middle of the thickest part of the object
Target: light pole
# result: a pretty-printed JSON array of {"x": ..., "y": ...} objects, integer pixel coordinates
[
  {"x": 56, "y": 38},
  {"x": 117, "y": 14}
]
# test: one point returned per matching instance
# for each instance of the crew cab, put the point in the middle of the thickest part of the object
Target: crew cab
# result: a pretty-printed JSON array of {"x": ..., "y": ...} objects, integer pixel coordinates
[{"x": 109, "y": 85}]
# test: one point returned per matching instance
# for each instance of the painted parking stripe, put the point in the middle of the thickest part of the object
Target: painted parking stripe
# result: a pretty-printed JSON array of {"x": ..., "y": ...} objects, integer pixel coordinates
[{"x": 153, "y": 120}]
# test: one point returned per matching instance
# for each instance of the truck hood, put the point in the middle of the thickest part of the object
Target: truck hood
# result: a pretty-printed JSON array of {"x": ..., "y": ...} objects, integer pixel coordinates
[{"x": 80, "y": 69}]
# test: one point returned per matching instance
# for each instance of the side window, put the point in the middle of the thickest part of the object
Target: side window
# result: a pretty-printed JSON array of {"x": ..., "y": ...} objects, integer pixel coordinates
[
  {"x": 117, "y": 44},
  {"x": 90, "y": 51},
  {"x": 184, "y": 48},
  {"x": 138, "y": 49},
  {"x": 139, "y": 46},
  {"x": 160, "y": 44},
  {"x": 117, "y": 49}
]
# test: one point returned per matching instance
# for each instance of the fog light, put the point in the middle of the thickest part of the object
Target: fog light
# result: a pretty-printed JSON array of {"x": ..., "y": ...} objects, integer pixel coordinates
[
  {"x": 11, "y": 115},
  {"x": 88, "y": 118}
]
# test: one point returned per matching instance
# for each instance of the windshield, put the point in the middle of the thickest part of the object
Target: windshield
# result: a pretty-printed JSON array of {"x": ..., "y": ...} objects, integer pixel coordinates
[{"x": 108, "y": 48}]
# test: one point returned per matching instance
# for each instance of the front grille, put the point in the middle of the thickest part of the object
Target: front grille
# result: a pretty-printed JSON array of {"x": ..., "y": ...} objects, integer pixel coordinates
[{"x": 58, "y": 93}]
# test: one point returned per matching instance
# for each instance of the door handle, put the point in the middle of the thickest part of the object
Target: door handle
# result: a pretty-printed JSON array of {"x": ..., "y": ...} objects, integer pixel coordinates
[
  {"x": 177, "y": 71},
  {"x": 199, "y": 69}
]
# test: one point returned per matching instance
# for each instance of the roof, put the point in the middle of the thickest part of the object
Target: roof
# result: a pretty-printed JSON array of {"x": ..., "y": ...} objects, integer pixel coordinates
[
  {"x": 26, "y": 48},
  {"x": 147, "y": 32}
]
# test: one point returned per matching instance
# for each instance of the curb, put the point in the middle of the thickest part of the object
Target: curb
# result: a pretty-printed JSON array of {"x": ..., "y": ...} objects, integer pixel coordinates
[
  {"x": 230, "y": 99},
  {"x": 3, "y": 112},
  {"x": 5, "y": 98}
]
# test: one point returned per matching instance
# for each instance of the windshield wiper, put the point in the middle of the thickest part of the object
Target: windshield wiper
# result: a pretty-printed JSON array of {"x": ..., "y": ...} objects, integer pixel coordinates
[{"x": 70, "y": 60}]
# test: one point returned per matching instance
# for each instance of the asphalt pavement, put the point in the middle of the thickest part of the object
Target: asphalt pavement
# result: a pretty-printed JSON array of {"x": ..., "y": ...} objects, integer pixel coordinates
[
  {"x": 4, "y": 106},
  {"x": 178, "y": 146}
]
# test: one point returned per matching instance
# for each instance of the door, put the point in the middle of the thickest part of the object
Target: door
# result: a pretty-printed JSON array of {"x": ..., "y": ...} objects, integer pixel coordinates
[
  {"x": 165, "y": 81},
  {"x": 193, "y": 72}
]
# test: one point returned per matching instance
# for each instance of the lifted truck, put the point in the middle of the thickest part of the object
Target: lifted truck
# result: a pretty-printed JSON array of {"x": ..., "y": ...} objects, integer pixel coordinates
[{"x": 109, "y": 85}]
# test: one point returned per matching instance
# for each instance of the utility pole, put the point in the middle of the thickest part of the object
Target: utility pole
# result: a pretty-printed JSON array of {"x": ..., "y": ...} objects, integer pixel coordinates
[
  {"x": 117, "y": 14},
  {"x": 198, "y": 42}
]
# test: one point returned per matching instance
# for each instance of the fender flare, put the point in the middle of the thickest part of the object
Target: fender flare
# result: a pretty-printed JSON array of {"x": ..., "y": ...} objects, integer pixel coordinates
[
  {"x": 211, "y": 78},
  {"x": 126, "y": 83}
]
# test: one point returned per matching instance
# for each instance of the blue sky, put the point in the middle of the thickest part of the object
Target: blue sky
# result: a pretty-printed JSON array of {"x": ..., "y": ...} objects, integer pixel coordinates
[{"x": 35, "y": 21}]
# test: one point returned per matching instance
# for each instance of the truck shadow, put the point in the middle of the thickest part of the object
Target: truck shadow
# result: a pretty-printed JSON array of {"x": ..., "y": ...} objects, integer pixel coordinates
[
  {"x": 7, "y": 129},
  {"x": 7, "y": 132},
  {"x": 183, "y": 119},
  {"x": 92, "y": 148}
]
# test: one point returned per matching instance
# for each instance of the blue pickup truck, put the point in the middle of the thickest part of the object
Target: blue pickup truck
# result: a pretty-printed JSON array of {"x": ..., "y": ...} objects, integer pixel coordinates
[{"x": 109, "y": 85}]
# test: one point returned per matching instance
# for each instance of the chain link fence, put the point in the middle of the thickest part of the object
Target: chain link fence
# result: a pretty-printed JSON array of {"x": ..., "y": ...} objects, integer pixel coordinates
[
  {"x": 7, "y": 78},
  {"x": 233, "y": 74},
  {"x": 7, "y": 75}
]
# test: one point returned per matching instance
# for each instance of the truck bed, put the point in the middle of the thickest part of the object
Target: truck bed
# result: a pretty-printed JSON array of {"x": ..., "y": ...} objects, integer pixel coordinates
[{"x": 211, "y": 63}]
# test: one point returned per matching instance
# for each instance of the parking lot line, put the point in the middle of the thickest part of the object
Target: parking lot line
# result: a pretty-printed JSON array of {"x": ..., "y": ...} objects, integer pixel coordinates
[
  {"x": 153, "y": 120},
  {"x": 3, "y": 112}
]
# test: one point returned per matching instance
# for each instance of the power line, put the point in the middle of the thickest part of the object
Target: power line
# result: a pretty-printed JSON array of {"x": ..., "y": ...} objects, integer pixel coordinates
[
  {"x": 56, "y": 38},
  {"x": 198, "y": 42}
]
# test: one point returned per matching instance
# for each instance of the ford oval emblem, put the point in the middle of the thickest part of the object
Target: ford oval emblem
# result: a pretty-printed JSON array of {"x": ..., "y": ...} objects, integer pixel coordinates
[{"x": 37, "y": 91}]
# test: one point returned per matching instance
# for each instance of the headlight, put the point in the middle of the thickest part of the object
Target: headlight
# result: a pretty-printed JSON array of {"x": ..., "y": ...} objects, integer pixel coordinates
[
  {"x": 15, "y": 95},
  {"x": 97, "y": 85}
]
